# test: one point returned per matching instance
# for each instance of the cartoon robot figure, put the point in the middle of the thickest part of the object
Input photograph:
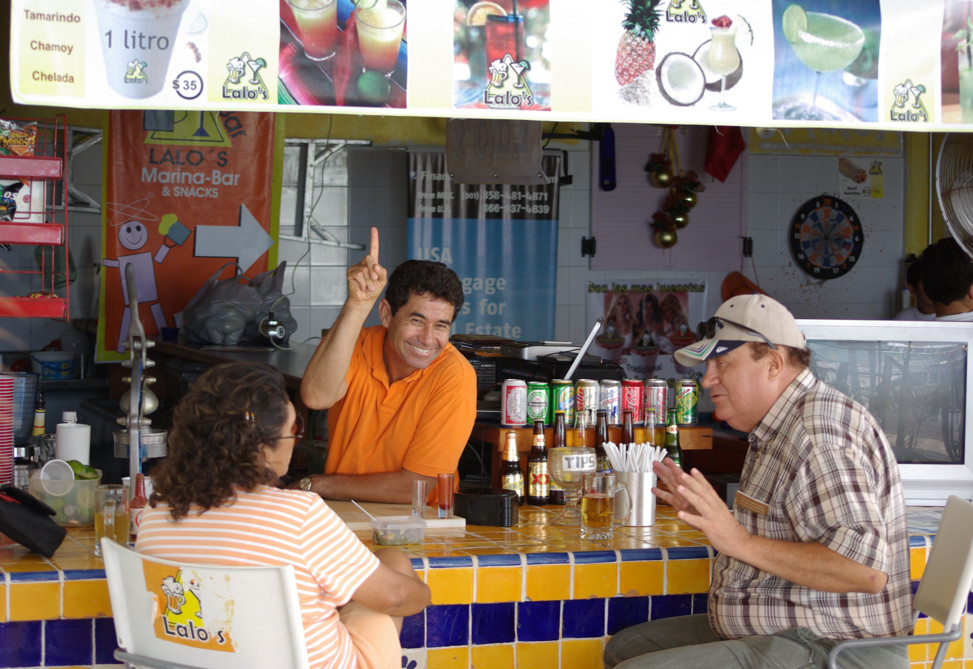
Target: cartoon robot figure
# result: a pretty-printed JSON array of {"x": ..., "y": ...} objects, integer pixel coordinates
[{"x": 134, "y": 235}]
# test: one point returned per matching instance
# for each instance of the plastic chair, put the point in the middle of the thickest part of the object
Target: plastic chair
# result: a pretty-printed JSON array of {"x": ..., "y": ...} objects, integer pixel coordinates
[
  {"x": 171, "y": 615},
  {"x": 944, "y": 587}
]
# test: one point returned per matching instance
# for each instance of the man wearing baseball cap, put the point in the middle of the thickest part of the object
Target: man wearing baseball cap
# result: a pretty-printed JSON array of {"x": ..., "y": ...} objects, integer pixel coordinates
[{"x": 815, "y": 549}]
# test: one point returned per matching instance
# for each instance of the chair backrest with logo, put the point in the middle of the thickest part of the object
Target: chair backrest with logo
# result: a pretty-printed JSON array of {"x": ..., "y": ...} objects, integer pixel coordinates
[{"x": 169, "y": 614}]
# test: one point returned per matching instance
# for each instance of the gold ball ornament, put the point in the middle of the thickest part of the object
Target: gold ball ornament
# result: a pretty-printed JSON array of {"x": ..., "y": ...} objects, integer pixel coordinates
[
  {"x": 690, "y": 198},
  {"x": 679, "y": 219},
  {"x": 665, "y": 238},
  {"x": 661, "y": 178}
]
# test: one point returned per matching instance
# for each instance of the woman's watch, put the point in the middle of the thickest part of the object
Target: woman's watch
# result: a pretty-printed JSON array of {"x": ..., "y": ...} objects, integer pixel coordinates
[{"x": 304, "y": 483}]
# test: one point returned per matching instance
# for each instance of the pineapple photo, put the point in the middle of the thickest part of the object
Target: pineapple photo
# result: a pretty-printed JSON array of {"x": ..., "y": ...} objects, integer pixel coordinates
[{"x": 636, "y": 48}]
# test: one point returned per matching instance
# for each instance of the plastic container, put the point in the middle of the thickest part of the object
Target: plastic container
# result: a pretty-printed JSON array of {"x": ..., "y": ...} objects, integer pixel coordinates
[
  {"x": 53, "y": 364},
  {"x": 398, "y": 530},
  {"x": 72, "y": 500}
]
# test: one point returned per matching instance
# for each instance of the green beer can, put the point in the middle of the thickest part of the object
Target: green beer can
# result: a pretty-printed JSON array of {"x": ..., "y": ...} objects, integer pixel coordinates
[
  {"x": 539, "y": 402},
  {"x": 687, "y": 402}
]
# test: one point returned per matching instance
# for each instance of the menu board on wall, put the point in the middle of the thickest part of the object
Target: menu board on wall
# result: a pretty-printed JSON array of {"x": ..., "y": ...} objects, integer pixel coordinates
[{"x": 896, "y": 64}]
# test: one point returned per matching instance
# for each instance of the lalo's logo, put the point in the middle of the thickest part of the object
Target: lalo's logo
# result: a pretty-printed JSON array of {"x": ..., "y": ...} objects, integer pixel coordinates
[
  {"x": 135, "y": 72},
  {"x": 685, "y": 11},
  {"x": 904, "y": 112},
  {"x": 182, "y": 619},
  {"x": 508, "y": 87},
  {"x": 243, "y": 80}
]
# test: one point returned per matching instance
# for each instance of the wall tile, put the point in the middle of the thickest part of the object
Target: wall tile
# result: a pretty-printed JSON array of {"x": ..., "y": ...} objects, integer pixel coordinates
[
  {"x": 687, "y": 576},
  {"x": 538, "y": 621},
  {"x": 641, "y": 578},
  {"x": 451, "y": 586},
  {"x": 583, "y": 618},
  {"x": 447, "y": 625},
  {"x": 21, "y": 645},
  {"x": 413, "y": 633},
  {"x": 537, "y": 655},
  {"x": 105, "y": 641},
  {"x": 581, "y": 653},
  {"x": 626, "y": 611},
  {"x": 595, "y": 580},
  {"x": 67, "y": 642},
  {"x": 552, "y": 581},
  {"x": 35, "y": 601},
  {"x": 86, "y": 599},
  {"x": 498, "y": 584},
  {"x": 448, "y": 658},
  {"x": 489, "y": 657},
  {"x": 493, "y": 623},
  {"x": 667, "y": 606}
]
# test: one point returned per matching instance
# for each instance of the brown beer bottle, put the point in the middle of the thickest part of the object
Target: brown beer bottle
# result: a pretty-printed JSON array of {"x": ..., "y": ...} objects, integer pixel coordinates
[
  {"x": 628, "y": 428},
  {"x": 601, "y": 438},
  {"x": 560, "y": 440},
  {"x": 511, "y": 477},
  {"x": 673, "y": 450},
  {"x": 538, "y": 477}
]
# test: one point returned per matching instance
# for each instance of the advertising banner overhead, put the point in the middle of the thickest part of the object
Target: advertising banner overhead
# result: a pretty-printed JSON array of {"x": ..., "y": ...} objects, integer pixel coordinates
[{"x": 892, "y": 64}]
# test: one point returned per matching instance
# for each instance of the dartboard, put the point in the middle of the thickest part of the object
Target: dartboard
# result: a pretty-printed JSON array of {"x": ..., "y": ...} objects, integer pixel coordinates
[{"x": 826, "y": 237}]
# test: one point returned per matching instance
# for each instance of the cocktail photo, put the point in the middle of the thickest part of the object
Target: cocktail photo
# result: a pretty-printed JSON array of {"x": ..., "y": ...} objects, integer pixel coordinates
[
  {"x": 499, "y": 56},
  {"x": 343, "y": 53},
  {"x": 826, "y": 60}
]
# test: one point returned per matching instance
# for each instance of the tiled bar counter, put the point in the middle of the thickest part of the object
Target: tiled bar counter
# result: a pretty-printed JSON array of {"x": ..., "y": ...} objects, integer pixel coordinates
[{"x": 532, "y": 595}]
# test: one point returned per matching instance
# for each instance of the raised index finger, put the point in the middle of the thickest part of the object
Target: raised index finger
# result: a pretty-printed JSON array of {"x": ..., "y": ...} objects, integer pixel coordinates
[{"x": 373, "y": 246}]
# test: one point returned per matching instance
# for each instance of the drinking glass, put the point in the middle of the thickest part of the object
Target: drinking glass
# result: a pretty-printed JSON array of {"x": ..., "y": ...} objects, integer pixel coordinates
[
  {"x": 420, "y": 491},
  {"x": 568, "y": 464},
  {"x": 599, "y": 510},
  {"x": 111, "y": 514},
  {"x": 444, "y": 495},
  {"x": 722, "y": 58},
  {"x": 317, "y": 23},
  {"x": 504, "y": 35},
  {"x": 823, "y": 42},
  {"x": 380, "y": 35}
]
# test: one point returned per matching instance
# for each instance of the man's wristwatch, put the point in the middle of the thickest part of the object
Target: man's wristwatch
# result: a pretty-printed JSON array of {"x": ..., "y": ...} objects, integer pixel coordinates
[{"x": 304, "y": 483}]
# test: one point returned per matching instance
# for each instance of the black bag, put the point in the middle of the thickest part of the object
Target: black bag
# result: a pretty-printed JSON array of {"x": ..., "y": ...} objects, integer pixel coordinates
[{"x": 28, "y": 521}]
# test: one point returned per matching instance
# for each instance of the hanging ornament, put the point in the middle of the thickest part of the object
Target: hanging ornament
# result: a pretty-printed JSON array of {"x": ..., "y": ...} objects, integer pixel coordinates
[
  {"x": 664, "y": 228},
  {"x": 686, "y": 186},
  {"x": 659, "y": 168}
]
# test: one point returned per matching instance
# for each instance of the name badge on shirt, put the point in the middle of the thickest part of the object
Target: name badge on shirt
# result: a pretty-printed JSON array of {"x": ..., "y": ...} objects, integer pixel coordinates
[{"x": 751, "y": 504}]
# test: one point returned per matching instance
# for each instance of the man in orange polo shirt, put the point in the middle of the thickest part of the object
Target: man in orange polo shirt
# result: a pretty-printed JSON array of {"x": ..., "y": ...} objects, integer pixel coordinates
[{"x": 401, "y": 399}]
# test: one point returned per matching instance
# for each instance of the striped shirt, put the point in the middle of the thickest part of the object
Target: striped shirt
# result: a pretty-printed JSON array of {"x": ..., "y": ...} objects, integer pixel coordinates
[
  {"x": 818, "y": 469},
  {"x": 272, "y": 527}
]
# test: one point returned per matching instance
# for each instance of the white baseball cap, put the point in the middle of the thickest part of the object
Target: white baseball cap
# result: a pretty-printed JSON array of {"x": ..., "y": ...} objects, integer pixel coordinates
[{"x": 740, "y": 319}]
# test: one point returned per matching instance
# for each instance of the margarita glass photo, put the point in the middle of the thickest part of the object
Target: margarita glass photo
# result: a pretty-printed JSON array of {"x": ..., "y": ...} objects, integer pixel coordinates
[
  {"x": 343, "y": 52},
  {"x": 826, "y": 55}
]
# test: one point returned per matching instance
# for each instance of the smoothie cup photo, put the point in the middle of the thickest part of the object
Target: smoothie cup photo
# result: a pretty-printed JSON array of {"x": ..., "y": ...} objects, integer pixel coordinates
[
  {"x": 137, "y": 39},
  {"x": 380, "y": 29},
  {"x": 317, "y": 24}
]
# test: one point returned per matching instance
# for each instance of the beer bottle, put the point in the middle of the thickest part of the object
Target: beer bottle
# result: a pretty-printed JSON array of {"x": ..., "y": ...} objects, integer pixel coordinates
[
  {"x": 511, "y": 477},
  {"x": 560, "y": 440},
  {"x": 672, "y": 439},
  {"x": 136, "y": 506},
  {"x": 580, "y": 429},
  {"x": 601, "y": 438},
  {"x": 650, "y": 425},
  {"x": 628, "y": 428},
  {"x": 538, "y": 490}
]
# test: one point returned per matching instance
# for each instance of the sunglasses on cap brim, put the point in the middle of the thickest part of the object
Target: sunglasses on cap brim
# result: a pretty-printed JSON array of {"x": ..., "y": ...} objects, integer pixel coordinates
[{"x": 707, "y": 330}]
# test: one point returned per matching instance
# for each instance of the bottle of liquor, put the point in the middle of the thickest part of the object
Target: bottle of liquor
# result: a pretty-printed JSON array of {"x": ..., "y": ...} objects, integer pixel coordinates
[
  {"x": 538, "y": 484},
  {"x": 136, "y": 506},
  {"x": 560, "y": 440},
  {"x": 511, "y": 477},
  {"x": 650, "y": 425},
  {"x": 601, "y": 438},
  {"x": 40, "y": 418},
  {"x": 628, "y": 428},
  {"x": 672, "y": 439}
]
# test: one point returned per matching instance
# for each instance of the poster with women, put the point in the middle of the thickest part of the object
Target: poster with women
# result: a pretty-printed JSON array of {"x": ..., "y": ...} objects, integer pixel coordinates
[{"x": 644, "y": 322}]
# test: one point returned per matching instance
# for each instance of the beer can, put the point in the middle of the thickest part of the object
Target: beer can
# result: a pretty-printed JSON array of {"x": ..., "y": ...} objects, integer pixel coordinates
[
  {"x": 687, "y": 402},
  {"x": 657, "y": 397},
  {"x": 632, "y": 400},
  {"x": 513, "y": 403},
  {"x": 586, "y": 399},
  {"x": 610, "y": 399},
  {"x": 538, "y": 402},
  {"x": 562, "y": 400}
]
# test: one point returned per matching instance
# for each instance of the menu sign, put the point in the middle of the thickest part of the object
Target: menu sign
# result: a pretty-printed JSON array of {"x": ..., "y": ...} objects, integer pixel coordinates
[{"x": 895, "y": 64}]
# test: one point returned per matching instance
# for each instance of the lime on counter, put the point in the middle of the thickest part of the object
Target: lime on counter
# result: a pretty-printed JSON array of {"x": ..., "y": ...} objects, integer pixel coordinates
[
  {"x": 77, "y": 467},
  {"x": 87, "y": 473},
  {"x": 794, "y": 22},
  {"x": 373, "y": 87}
]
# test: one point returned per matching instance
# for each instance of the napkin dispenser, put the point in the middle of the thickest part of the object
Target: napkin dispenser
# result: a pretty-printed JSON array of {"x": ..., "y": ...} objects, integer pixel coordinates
[{"x": 495, "y": 507}]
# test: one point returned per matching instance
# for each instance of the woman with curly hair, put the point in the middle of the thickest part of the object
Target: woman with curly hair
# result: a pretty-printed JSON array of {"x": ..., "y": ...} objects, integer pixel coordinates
[{"x": 215, "y": 502}]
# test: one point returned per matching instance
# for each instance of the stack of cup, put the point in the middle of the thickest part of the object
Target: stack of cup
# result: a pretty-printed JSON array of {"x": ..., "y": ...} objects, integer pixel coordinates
[{"x": 6, "y": 429}]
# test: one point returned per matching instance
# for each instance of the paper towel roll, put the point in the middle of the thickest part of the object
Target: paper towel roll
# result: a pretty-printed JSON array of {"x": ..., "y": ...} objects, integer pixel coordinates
[{"x": 73, "y": 442}]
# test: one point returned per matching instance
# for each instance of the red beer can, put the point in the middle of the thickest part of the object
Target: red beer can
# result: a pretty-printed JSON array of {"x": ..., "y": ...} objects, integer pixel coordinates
[
  {"x": 657, "y": 397},
  {"x": 632, "y": 400},
  {"x": 513, "y": 403}
]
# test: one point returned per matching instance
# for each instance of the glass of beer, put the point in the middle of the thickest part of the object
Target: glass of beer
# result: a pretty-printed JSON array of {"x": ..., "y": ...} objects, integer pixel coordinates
[
  {"x": 111, "y": 514},
  {"x": 598, "y": 493}
]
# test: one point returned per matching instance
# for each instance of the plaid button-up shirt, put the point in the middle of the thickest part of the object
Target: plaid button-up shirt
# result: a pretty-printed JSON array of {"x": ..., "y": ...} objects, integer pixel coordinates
[{"x": 818, "y": 469}]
